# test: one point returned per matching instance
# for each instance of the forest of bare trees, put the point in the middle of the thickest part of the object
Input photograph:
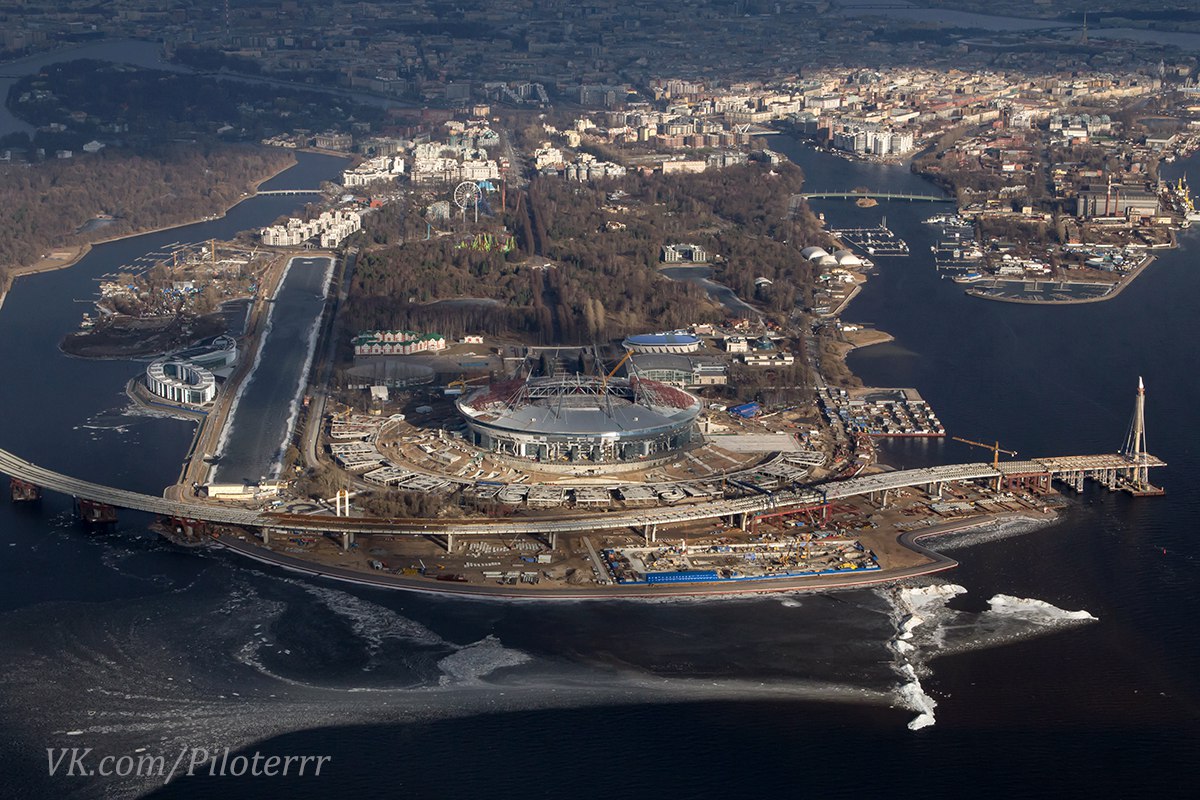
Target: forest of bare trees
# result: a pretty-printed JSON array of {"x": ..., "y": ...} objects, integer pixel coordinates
[
  {"x": 586, "y": 266},
  {"x": 45, "y": 206}
]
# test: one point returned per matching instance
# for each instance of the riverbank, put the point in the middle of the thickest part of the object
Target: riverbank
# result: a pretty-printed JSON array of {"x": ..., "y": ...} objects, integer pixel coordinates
[
  {"x": 934, "y": 562},
  {"x": 856, "y": 340},
  {"x": 211, "y": 430},
  {"x": 1118, "y": 287},
  {"x": 70, "y": 256}
]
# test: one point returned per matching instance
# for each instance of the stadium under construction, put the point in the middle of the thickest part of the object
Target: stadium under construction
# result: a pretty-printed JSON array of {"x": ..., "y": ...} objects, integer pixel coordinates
[{"x": 580, "y": 419}]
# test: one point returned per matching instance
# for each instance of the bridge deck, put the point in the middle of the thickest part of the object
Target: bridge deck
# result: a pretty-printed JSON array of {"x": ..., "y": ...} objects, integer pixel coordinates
[
  {"x": 122, "y": 498},
  {"x": 875, "y": 196}
]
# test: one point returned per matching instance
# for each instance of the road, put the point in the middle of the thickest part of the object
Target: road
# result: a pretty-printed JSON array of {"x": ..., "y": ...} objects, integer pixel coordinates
[{"x": 1064, "y": 466}]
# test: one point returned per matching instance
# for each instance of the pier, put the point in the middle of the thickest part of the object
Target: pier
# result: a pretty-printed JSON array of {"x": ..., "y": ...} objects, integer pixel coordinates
[{"x": 877, "y": 241}]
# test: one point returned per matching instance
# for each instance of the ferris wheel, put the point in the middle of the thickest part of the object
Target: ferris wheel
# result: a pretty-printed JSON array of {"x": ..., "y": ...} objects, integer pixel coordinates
[{"x": 468, "y": 194}]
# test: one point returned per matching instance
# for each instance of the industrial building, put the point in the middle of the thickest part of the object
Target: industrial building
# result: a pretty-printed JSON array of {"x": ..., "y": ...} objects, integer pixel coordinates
[
  {"x": 580, "y": 419},
  {"x": 1116, "y": 200}
]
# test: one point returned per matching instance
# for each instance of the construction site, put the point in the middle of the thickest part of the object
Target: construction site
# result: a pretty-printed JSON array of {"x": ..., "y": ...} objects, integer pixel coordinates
[
  {"x": 170, "y": 298},
  {"x": 429, "y": 450}
]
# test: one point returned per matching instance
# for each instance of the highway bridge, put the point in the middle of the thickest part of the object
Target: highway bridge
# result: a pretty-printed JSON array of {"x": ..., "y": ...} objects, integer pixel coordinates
[{"x": 1112, "y": 471}]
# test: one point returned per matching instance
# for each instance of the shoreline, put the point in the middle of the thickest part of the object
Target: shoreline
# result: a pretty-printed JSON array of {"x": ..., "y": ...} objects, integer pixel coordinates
[
  {"x": 248, "y": 545},
  {"x": 82, "y": 250},
  {"x": 212, "y": 428},
  {"x": 1109, "y": 295},
  {"x": 910, "y": 540}
]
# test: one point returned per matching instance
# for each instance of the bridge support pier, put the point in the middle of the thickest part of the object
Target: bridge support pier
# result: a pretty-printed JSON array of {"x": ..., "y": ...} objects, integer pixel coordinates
[
  {"x": 1073, "y": 479},
  {"x": 266, "y": 536},
  {"x": 91, "y": 512},
  {"x": 650, "y": 532},
  {"x": 449, "y": 542},
  {"x": 192, "y": 530},
  {"x": 934, "y": 490},
  {"x": 347, "y": 540},
  {"x": 23, "y": 491}
]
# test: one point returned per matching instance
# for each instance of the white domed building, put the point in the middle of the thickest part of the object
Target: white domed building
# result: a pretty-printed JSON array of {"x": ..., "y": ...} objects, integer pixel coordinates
[{"x": 847, "y": 259}]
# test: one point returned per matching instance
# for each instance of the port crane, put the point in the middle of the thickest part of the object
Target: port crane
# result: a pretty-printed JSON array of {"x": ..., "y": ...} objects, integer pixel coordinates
[{"x": 994, "y": 447}]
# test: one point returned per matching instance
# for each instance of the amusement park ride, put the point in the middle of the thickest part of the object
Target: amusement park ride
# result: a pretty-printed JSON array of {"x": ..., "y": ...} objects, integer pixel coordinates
[{"x": 468, "y": 194}]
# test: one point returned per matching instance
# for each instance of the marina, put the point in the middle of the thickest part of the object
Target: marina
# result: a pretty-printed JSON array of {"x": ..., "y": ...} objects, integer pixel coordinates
[
  {"x": 957, "y": 252},
  {"x": 1062, "y": 291},
  {"x": 876, "y": 241}
]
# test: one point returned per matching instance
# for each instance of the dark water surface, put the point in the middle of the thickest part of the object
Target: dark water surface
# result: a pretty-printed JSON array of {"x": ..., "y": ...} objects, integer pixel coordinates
[
  {"x": 266, "y": 408},
  {"x": 122, "y": 642}
]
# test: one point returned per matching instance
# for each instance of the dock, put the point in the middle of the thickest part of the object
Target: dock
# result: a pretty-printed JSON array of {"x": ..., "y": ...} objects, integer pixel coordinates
[{"x": 877, "y": 241}]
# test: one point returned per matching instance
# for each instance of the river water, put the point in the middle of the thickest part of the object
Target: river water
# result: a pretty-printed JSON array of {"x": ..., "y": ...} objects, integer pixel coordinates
[
  {"x": 122, "y": 51},
  {"x": 146, "y": 54},
  {"x": 121, "y": 641},
  {"x": 268, "y": 403}
]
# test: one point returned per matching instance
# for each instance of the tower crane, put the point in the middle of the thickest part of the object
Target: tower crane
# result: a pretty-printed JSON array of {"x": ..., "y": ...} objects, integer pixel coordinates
[{"x": 994, "y": 447}]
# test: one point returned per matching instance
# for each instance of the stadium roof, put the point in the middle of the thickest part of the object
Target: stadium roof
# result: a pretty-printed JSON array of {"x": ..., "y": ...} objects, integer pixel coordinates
[
  {"x": 581, "y": 406},
  {"x": 651, "y": 339}
]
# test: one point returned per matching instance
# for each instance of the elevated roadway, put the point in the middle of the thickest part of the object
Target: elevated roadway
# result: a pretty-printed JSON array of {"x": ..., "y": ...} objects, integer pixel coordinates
[
  {"x": 1069, "y": 468},
  {"x": 122, "y": 498}
]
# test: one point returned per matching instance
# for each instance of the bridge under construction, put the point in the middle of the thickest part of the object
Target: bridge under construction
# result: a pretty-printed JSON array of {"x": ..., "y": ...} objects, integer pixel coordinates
[
  {"x": 1115, "y": 471},
  {"x": 1127, "y": 470}
]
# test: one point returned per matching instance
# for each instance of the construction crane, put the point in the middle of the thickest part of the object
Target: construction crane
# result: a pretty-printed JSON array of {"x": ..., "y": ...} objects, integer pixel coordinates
[
  {"x": 994, "y": 447},
  {"x": 624, "y": 358}
]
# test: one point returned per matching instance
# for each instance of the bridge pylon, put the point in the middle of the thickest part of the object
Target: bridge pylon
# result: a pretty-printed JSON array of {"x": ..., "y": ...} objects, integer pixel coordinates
[{"x": 1137, "y": 474}]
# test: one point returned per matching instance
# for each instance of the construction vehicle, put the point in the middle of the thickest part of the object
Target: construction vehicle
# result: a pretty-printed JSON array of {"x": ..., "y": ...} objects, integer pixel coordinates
[
  {"x": 454, "y": 388},
  {"x": 994, "y": 447}
]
